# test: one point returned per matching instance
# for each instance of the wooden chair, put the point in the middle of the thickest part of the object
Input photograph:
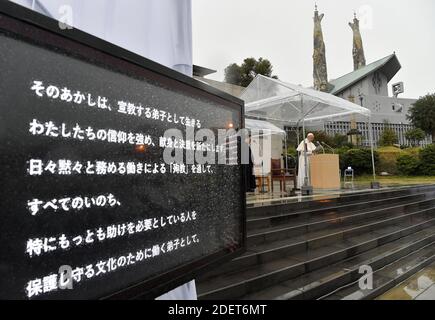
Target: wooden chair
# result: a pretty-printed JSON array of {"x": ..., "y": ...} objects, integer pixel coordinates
[
  {"x": 260, "y": 182},
  {"x": 281, "y": 174}
]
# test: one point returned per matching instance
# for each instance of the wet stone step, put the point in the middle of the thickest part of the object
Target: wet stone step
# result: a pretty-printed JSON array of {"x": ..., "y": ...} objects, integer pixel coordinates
[
  {"x": 227, "y": 286},
  {"x": 317, "y": 283},
  {"x": 334, "y": 225},
  {"x": 302, "y": 218},
  {"x": 349, "y": 245},
  {"x": 331, "y": 252},
  {"x": 266, "y": 210},
  {"x": 333, "y": 233},
  {"x": 388, "y": 277},
  {"x": 311, "y": 217}
]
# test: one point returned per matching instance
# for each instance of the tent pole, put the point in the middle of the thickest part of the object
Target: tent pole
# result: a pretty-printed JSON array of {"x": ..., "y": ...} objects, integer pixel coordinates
[
  {"x": 305, "y": 155},
  {"x": 305, "y": 144},
  {"x": 298, "y": 132},
  {"x": 374, "y": 184},
  {"x": 285, "y": 146}
]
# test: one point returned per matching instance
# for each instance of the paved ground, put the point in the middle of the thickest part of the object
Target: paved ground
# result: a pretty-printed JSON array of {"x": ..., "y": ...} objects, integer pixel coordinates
[
  {"x": 420, "y": 286},
  {"x": 394, "y": 181}
]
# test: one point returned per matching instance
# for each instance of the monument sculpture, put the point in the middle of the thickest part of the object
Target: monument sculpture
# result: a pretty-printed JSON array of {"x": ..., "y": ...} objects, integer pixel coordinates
[
  {"x": 320, "y": 73},
  {"x": 359, "y": 59}
]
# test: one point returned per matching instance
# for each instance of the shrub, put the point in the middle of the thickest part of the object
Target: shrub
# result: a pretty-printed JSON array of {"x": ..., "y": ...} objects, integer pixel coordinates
[
  {"x": 388, "y": 137},
  {"x": 339, "y": 140},
  {"x": 408, "y": 165},
  {"x": 388, "y": 158},
  {"x": 412, "y": 151},
  {"x": 427, "y": 160},
  {"x": 342, "y": 152},
  {"x": 359, "y": 159},
  {"x": 415, "y": 136}
]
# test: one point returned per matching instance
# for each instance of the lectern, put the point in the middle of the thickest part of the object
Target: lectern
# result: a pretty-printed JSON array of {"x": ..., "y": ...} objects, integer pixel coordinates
[{"x": 325, "y": 171}]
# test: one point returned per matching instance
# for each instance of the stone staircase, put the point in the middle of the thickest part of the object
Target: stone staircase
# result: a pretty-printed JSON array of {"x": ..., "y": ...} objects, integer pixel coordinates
[{"x": 313, "y": 249}]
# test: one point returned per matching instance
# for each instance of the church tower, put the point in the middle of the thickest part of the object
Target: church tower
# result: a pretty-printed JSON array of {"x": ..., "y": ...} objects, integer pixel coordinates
[
  {"x": 359, "y": 59},
  {"x": 320, "y": 73}
]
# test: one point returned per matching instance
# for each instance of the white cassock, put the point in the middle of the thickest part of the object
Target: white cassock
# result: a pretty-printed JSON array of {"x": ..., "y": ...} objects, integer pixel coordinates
[{"x": 301, "y": 168}]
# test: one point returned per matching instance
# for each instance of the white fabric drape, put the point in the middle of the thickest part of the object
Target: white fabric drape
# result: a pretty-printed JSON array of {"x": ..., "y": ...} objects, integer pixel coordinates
[{"x": 160, "y": 30}]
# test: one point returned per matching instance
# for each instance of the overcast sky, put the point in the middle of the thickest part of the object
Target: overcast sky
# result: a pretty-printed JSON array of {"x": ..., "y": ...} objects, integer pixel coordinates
[{"x": 227, "y": 31}]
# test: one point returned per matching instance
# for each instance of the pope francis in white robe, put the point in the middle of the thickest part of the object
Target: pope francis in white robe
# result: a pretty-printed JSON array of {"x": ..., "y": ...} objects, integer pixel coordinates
[{"x": 310, "y": 150}]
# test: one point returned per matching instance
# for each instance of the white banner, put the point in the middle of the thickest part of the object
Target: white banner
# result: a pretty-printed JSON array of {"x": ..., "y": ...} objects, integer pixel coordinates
[{"x": 160, "y": 30}]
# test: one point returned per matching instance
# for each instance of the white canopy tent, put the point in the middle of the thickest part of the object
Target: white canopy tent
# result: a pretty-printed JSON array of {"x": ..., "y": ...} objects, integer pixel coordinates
[
  {"x": 275, "y": 100},
  {"x": 270, "y": 99},
  {"x": 265, "y": 127}
]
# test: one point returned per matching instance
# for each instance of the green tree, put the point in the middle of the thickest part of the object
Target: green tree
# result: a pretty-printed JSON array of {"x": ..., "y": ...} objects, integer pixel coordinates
[
  {"x": 415, "y": 136},
  {"x": 408, "y": 165},
  {"x": 322, "y": 136},
  {"x": 340, "y": 140},
  {"x": 388, "y": 137},
  {"x": 427, "y": 160},
  {"x": 244, "y": 74},
  {"x": 233, "y": 74},
  {"x": 359, "y": 159},
  {"x": 422, "y": 114}
]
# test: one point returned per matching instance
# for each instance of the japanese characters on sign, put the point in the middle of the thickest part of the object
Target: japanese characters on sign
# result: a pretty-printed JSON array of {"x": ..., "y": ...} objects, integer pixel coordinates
[{"x": 90, "y": 205}]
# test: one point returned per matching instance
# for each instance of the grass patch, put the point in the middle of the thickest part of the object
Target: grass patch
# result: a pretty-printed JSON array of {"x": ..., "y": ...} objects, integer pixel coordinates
[{"x": 390, "y": 181}]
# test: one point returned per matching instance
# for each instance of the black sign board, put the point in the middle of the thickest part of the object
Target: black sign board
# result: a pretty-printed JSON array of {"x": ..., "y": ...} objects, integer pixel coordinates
[{"x": 90, "y": 208}]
